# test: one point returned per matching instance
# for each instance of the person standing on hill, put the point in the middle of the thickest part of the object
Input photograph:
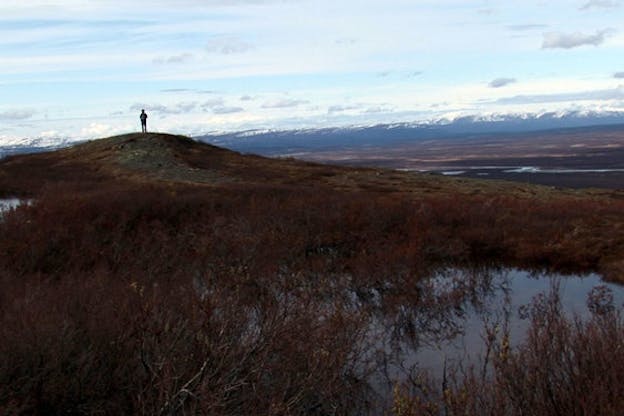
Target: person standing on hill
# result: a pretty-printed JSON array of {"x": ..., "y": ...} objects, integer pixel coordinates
[{"x": 143, "y": 118}]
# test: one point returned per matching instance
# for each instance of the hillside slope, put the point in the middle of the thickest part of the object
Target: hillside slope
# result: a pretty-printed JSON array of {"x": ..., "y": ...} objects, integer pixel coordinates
[{"x": 163, "y": 158}]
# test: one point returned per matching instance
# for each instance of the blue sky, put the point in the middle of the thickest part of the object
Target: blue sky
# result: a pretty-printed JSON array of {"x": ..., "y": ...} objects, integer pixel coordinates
[{"x": 85, "y": 68}]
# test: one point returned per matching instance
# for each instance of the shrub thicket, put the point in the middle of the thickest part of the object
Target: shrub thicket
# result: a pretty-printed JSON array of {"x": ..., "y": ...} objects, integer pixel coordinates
[{"x": 150, "y": 299}]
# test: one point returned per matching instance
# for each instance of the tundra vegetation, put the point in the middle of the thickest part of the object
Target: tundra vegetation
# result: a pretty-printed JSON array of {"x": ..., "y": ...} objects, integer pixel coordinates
[{"x": 155, "y": 275}]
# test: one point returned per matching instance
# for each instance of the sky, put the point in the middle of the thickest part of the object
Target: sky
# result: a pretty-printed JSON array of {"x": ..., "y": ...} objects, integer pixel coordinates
[{"x": 85, "y": 68}]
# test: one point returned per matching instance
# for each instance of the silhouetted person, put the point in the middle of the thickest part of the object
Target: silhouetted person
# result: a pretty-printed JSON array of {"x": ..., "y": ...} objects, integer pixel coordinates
[{"x": 143, "y": 118}]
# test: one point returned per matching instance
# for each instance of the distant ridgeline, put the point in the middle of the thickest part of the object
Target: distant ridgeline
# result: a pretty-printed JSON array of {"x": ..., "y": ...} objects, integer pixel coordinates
[
  {"x": 276, "y": 142},
  {"x": 16, "y": 150},
  {"x": 272, "y": 142}
]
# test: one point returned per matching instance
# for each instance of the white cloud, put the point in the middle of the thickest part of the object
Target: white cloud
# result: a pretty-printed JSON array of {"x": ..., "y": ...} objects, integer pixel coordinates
[
  {"x": 342, "y": 108},
  {"x": 17, "y": 114},
  {"x": 618, "y": 75},
  {"x": 600, "y": 4},
  {"x": 176, "y": 90},
  {"x": 227, "y": 110},
  {"x": 284, "y": 103},
  {"x": 526, "y": 27},
  {"x": 414, "y": 74},
  {"x": 553, "y": 40},
  {"x": 501, "y": 82},
  {"x": 98, "y": 130},
  {"x": 175, "y": 59},
  {"x": 378, "y": 109},
  {"x": 212, "y": 103},
  {"x": 179, "y": 108},
  {"x": 50, "y": 134},
  {"x": 593, "y": 95},
  {"x": 228, "y": 45}
]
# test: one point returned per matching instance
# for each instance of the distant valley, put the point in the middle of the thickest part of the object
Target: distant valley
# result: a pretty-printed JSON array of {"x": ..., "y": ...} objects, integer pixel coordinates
[{"x": 577, "y": 157}]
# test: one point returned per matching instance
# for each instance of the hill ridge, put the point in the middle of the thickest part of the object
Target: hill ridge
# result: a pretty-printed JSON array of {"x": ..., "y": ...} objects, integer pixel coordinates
[{"x": 178, "y": 159}]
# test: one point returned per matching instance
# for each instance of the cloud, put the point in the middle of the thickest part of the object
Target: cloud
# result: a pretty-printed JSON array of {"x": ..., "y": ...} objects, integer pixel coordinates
[
  {"x": 501, "y": 82},
  {"x": 98, "y": 130},
  {"x": 600, "y": 4},
  {"x": 217, "y": 106},
  {"x": 342, "y": 108},
  {"x": 284, "y": 103},
  {"x": 212, "y": 103},
  {"x": 179, "y": 108},
  {"x": 227, "y": 110},
  {"x": 246, "y": 98},
  {"x": 521, "y": 28},
  {"x": 618, "y": 75},
  {"x": 487, "y": 11},
  {"x": 378, "y": 109},
  {"x": 595, "y": 95},
  {"x": 168, "y": 90},
  {"x": 22, "y": 114},
  {"x": 553, "y": 40},
  {"x": 228, "y": 45},
  {"x": 346, "y": 41},
  {"x": 186, "y": 91},
  {"x": 175, "y": 59}
]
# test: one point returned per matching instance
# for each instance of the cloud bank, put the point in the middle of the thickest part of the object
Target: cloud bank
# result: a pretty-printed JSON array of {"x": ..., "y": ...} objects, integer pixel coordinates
[
  {"x": 284, "y": 103},
  {"x": 228, "y": 45},
  {"x": 600, "y": 4},
  {"x": 596, "y": 95},
  {"x": 13, "y": 115},
  {"x": 554, "y": 40},
  {"x": 501, "y": 82}
]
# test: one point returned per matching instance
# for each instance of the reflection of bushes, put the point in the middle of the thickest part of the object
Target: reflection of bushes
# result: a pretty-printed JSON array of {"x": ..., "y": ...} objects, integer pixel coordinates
[
  {"x": 158, "y": 300},
  {"x": 565, "y": 366}
]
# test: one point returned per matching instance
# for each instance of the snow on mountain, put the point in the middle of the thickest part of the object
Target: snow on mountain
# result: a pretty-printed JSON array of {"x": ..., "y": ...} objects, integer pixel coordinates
[{"x": 272, "y": 141}]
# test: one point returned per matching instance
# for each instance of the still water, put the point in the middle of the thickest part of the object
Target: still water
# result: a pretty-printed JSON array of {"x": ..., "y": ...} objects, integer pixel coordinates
[
  {"x": 9, "y": 203},
  {"x": 449, "y": 329}
]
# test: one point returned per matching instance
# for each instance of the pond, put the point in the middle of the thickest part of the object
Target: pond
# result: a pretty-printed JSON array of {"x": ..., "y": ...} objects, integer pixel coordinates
[
  {"x": 448, "y": 328},
  {"x": 7, "y": 204}
]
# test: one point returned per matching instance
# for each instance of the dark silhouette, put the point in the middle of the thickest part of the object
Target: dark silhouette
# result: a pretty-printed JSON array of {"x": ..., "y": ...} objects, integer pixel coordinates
[{"x": 143, "y": 118}]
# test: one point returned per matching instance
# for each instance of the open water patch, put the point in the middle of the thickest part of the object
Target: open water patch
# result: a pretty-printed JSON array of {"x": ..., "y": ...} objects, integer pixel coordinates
[
  {"x": 534, "y": 169},
  {"x": 8, "y": 204},
  {"x": 456, "y": 311}
]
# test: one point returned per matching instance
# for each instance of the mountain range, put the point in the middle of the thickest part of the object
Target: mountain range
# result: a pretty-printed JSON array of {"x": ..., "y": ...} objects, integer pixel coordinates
[{"x": 281, "y": 142}]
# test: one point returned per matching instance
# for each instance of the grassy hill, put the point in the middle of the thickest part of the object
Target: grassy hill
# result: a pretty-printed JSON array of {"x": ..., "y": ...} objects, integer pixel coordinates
[{"x": 154, "y": 274}]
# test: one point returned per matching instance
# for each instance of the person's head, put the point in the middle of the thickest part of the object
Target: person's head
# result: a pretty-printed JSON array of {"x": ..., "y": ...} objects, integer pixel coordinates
[{"x": 142, "y": 111}]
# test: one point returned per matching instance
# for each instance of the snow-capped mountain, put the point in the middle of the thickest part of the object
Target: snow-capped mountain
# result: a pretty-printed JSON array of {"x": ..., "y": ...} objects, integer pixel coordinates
[
  {"x": 276, "y": 142},
  {"x": 272, "y": 142}
]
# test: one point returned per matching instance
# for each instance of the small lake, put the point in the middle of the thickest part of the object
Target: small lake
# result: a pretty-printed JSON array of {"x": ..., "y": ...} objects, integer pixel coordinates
[{"x": 449, "y": 329}]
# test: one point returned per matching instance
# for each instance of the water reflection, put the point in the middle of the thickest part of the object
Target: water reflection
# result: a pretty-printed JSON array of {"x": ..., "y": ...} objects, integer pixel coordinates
[
  {"x": 8, "y": 204},
  {"x": 443, "y": 321}
]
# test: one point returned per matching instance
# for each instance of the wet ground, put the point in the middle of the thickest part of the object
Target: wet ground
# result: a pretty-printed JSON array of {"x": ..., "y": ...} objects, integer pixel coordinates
[{"x": 578, "y": 158}]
